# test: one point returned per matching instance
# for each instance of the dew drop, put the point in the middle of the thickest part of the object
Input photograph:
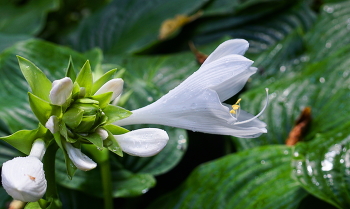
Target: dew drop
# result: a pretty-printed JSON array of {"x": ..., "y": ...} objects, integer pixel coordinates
[
  {"x": 328, "y": 9},
  {"x": 322, "y": 80},
  {"x": 150, "y": 99},
  {"x": 283, "y": 68},
  {"x": 328, "y": 45}
]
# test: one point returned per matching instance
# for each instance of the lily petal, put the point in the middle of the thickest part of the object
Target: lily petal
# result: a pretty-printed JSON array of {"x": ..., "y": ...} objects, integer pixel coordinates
[
  {"x": 114, "y": 85},
  {"x": 233, "y": 46},
  {"x": 80, "y": 160},
  {"x": 144, "y": 142},
  {"x": 52, "y": 124},
  {"x": 24, "y": 179},
  {"x": 61, "y": 90},
  {"x": 196, "y": 104},
  {"x": 205, "y": 113}
]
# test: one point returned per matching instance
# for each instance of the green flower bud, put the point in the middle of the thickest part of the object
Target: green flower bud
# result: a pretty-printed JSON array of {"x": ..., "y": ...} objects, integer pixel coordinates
[{"x": 84, "y": 116}]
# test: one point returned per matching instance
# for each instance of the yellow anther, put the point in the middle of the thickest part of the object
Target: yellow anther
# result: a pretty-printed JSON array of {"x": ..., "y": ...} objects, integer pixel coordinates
[{"x": 235, "y": 107}]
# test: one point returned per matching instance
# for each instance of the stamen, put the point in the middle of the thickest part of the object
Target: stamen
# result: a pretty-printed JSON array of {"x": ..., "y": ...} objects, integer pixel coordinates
[
  {"x": 267, "y": 102},
  {"x": 235, "y": 107}
]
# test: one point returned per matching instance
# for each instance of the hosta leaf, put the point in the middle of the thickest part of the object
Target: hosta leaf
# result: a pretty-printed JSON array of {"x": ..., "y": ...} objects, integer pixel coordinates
[
  {"x": 229, "y": 7},
  {"x": 4, "y": 198},
  {"x": 7, "y": 152},
  {"x": 321, "y": 86},
  {"x": 257, "y": 178},
  {"x": 261, "y": 31},
  {"x": 7, "y": 40},
  {"x": 132, "y": 25},
  {"x": 69, "y": 197},
  {"x": 25, "y": 17},
  {"x": 330, "y": 32},
  {"x": 322, "y": 166}
]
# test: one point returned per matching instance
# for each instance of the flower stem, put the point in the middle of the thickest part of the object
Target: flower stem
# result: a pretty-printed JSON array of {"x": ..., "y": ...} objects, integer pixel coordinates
[
  {"x": 106, "y": 180},
  {"x": 49, "y": 167}
]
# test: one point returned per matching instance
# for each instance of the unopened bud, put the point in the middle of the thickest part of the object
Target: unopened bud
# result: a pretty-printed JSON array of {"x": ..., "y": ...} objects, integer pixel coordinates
[{"x": 23, "y": 178}]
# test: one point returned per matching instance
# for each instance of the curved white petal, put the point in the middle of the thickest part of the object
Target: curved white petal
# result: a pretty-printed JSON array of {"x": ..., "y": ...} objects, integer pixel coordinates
[
  {"x": 38, "y": 149},
  {"x": 23, "y": 178},
  {"x": 233, "y": 46},
  {"x": 61, "y": 90},
  {"x": 143, "y": 142},
  {"x": 80, "y": 160},
  {"x": 222, "y": 71},
  {"x": 52, "y": 124},
  {"x": 114, "y": 85}
]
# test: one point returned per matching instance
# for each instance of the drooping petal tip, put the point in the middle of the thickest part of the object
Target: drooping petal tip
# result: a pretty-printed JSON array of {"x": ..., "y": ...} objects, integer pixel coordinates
[
  {"x": 61, "y": 90},
  {"x": 144, "y": 142},
  {"x": 23, "y": 178},
  {"x": 79, "y": 159}
]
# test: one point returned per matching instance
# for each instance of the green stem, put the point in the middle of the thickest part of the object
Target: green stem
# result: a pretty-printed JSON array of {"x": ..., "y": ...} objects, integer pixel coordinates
[
  {"x": 106, "y": 180},
  {"x": 49, "y": 167}
]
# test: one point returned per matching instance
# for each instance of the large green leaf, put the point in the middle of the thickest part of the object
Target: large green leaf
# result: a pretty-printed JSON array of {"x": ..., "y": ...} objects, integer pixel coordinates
[
  {"x": 322, "y": 166},
  {"x": 76, "y": 199},
  {"x": 323, "y": 86},
  {"x": 330, "y": 32},
  {"x": 229, "y": 7},
  {"x": 7, "y": 152},
  {"x": 7, "y": 40},
  {"x": 257, "y": 178},
  {"x": 261, "y": 30},
  {"x": 124, "y": 183},
  {"x": 5, "y": 199},
  {"x": 51, "y": 59},
  {"x": 126, "y": 26},
  {"x": 24, "y": 17}
]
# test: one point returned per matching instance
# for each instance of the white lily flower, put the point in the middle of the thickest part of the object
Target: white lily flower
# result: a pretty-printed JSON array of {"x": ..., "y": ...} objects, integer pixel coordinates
[
  {"x": 196, "y": 104},
  {"x": 114, "y": 85},
  {"x": 143, "y": 142},
  {"x": 23, "y": 178},
  {"x": 61, "y": 90},
  {"x": 80, "y": 160}
]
